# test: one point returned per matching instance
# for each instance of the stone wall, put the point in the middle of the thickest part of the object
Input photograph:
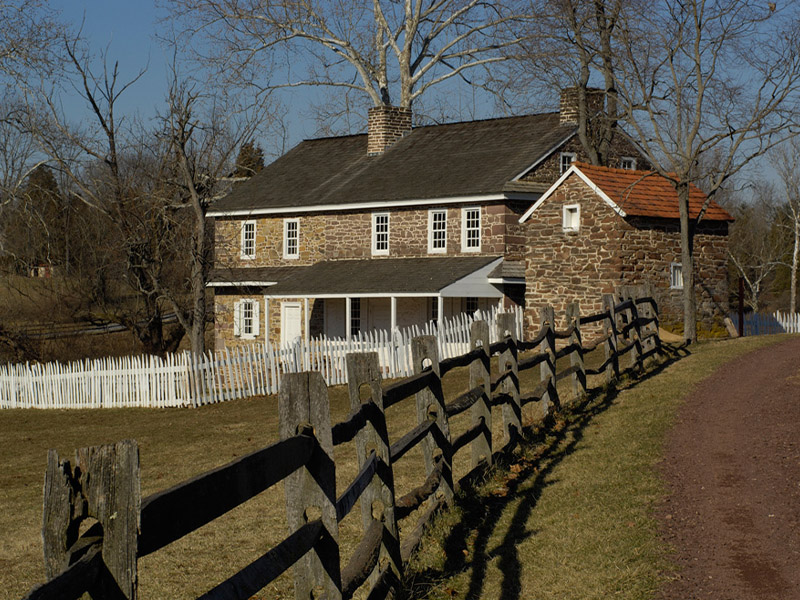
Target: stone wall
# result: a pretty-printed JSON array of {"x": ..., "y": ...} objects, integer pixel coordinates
[{"x": 608, "y": 251}]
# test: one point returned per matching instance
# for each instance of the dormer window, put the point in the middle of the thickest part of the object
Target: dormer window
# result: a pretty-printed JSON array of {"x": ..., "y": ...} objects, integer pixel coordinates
[
  {"x": 628, "y": 163},
  {"x": 572, "y": 218},
  {"x": 247, "y": 249},
  {"x": 566, "y": 158}
]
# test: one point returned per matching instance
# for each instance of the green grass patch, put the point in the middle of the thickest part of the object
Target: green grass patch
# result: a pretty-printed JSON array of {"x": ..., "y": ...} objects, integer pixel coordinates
[{"x": 572, "y": 516}]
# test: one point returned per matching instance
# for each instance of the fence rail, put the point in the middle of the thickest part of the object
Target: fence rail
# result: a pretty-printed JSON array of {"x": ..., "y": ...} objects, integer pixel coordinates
[
  {"x": 103, "y": 484},
  {"x": 189, "y": 380}
]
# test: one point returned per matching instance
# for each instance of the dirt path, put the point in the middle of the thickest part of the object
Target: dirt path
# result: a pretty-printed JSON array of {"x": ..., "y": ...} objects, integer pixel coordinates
[{"x": 733, "y": 467}]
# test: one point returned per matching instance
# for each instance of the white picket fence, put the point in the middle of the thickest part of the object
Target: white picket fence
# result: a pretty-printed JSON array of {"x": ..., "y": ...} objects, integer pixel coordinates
[
  {"x": 768, "y": 323},
  {"x": 789, "y": 321},
  {"x": 190, "y": 380}
]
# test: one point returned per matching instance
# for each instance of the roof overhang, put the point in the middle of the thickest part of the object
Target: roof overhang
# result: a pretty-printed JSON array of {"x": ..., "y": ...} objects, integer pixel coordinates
[
  {"x": 282, "y": 210},
  {"x": 572, "y": 170}
]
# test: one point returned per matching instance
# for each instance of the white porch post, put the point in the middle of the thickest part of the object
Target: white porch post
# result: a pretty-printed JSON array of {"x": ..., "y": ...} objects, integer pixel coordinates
[
  {"x": 347, "y": 326},
  {"x": 308, "y": 320},
  {"x": 394, "y": 313},
  {"x": 440, "y": 308}
]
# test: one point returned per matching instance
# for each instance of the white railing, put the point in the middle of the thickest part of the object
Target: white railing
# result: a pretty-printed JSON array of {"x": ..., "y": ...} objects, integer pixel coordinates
[{"x": 191, "y": 380}]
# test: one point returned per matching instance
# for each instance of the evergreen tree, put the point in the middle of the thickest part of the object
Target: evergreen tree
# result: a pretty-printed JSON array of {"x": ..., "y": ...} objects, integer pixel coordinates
[{"x": 250, "y": 160}]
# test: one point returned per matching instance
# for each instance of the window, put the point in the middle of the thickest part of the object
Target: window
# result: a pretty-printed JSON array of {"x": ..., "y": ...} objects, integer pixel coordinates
[
  {"x": 572, "y": 217},
  {"x": 380, "y": 233},
  {"x": 355, "y": 316},
  {"x": 245, "y": 319},
  {"x": 626, "y": 162},
  {"x": 291, "y": 238},
  {"x": 471, "y": 230},
  {"x": 676, "y": 276},
  {"x": 437, "y": 231},
  {"x": 433, "y": 310},
  {"x": 471, "y": 305},
  {"x": 566, "y": 158},
  {"x": 248, "y": 244}
]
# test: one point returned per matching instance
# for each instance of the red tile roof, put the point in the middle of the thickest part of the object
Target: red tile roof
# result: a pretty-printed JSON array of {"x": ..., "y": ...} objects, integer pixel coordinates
[{"x": 647, "y": 194}]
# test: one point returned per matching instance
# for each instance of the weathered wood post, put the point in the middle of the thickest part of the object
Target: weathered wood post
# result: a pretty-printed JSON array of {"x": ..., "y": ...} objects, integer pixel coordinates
[
  {"x": 576, "y": 357},
  {"x": 479, "y": 371},
  {"x": 103, "y": 485},
  {"x": 633, "y": 293},
  {"x": 612, "y": 359},
  {"x": 377, "y": 501},
  {"x": 311, "y": 491},
  {"x": 431, "y": 406},
  {"x": 547, "y": 368},
  {"x": 509, "y": 361}
]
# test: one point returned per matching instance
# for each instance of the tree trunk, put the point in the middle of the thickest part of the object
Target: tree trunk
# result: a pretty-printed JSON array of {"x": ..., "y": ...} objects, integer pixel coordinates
[
  {"x": 795, "y": 258},
  {"x": 687, "y": 266},
  {"x": 198, "y": 331}
]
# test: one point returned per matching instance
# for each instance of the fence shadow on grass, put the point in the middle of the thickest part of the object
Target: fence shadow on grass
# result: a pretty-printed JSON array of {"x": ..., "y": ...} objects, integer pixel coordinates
[{"x": 545, "y": 446}]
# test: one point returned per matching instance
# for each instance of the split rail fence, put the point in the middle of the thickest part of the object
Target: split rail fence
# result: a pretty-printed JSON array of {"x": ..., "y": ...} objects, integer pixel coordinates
[
  {"x": 190, "y": 380},
  {"x": 103, "y": 483}
]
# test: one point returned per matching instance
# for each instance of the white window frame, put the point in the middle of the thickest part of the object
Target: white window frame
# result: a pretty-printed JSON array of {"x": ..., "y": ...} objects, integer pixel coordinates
[
  {"x": 569, "y": 223},
  {"x": 432, "y": 214},
  {"x": 245, "y": 319},
  {"x": 675, "y": 276},
  {"x": 465, "y": 239},
  {"x": 286, "y": 238},
  {"x": 562, "y": 167},
  {"x": 376, "y": 251},
  {"x": 632, "y": 161},
  {"x": 247, "y": 245}
]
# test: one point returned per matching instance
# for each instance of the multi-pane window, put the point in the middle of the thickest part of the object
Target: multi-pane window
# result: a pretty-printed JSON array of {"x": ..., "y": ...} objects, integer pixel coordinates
[
  {"x": 355, "y": 316},
  {"x": 248, "y": 243},
  {"x": 471, "y": 305},
  {"x": 245, "y": 319},
  {"x": 291, "y": 238},
  {"x": 433, "y": 311},
  {"x": 437, "y": 231},
  {"x": 572, "y": 217},
  {"x": 566, "y": 158},
  {"x": 380, "y": 233},
  {"x": 471, "y": 230},
  {"x": 676, "y": 276},
  {"x": 626, "y": 162}
]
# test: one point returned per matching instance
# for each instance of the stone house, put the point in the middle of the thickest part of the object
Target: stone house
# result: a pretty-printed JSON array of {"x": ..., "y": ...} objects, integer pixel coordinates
[
  {"x": 598, "y": 228},
  {"x": 386, "y": 229}
]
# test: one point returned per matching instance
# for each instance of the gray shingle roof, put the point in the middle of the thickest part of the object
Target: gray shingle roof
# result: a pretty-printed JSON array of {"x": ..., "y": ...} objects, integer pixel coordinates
[
  {"x": 441, "y": 161},
  {"x": 368, "y": 276}
]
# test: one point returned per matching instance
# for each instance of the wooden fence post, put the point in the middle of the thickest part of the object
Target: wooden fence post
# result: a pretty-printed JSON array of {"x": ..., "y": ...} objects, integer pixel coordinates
[
  {"x": 479, "y": 371},
  {"x": 547, "y": 368},
  {"x": 103, "y": 485},
  {"x": 377, "y": 501},
  {"x": 612, "y": 368},
  {"x": 509, "y": 361},
  {"x": 311, "y": 491},
  {"x": 431, "y": 406},
  {"x": 576, "y": 357}
]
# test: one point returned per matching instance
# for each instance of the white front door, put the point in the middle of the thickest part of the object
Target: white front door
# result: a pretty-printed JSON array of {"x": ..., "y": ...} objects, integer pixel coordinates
[{"x": 291, "y": 322}]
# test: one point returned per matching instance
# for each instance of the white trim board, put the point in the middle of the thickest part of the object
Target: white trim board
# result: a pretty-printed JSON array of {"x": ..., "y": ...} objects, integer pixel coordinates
[
  {"x": 546, "y": 155},
  {"x": 282, "y": 210},
  {"x": 554, "y": 187},
  {"x": 241, "y": 283}
]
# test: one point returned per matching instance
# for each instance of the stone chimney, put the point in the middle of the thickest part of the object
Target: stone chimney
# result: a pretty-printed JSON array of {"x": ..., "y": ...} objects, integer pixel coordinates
[
  {"x": 568, "y": 111},
  {"x": 386, "y": 125}
]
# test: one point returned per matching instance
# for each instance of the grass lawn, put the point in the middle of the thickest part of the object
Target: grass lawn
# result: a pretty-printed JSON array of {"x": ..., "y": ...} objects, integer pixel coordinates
[
  {"x": 572, "y": 517},
  {"x": 572, "y": 514}
]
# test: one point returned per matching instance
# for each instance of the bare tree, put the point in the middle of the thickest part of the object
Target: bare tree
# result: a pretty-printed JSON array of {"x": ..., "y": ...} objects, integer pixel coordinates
[
  {"x": 709, "y": 77},
  {"x": 787, "y": 164},
  {"x": 390, "y": 52}
]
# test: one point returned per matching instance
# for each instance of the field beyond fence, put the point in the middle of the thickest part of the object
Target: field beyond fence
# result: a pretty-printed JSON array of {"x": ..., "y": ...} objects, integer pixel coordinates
[
  {"x": 189, "y": 380},
  {"x": 102, "y": 486}
]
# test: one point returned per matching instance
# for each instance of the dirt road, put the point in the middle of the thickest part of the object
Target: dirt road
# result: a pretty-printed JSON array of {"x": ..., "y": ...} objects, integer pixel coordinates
[{"x": 733, "y": 467}]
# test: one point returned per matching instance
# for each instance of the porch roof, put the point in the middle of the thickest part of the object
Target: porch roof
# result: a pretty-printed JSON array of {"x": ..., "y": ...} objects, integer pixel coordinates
[{"x": 458, "y": 275}]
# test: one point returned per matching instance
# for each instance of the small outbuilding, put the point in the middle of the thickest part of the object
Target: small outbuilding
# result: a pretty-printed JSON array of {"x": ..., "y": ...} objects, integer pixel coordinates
[{"x": 599, "y": 228}]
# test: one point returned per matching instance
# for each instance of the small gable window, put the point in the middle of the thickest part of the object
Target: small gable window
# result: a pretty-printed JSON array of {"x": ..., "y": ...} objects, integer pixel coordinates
[
  {"x": 245, "y": 319},
  {"x": 471, "y": 230},
  {"x": 247, "y": 248},
  {"x": 566, "y": 160},
  {"x": 437, "y": 231},
  {"x": 380, "y": 234},
  {"x": 626, "y": 162},
  {"x": 571, "y": 220},
  {"x": 676, "y": 276},
  {"x": 291, "y": 238}
]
